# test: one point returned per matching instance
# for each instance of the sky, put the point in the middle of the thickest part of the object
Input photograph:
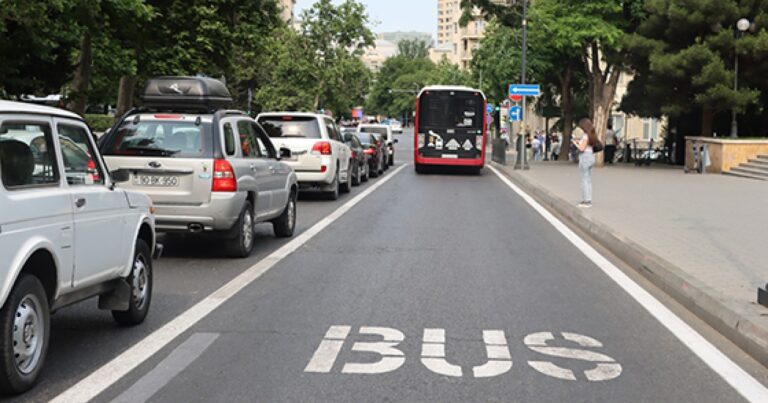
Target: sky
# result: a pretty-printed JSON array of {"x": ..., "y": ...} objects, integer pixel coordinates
[{"x": 394, "y": 15}]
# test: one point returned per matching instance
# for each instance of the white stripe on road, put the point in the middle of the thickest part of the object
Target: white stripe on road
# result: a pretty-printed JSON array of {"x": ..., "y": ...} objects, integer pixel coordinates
[
  {"x": 111, "y": 372},
  {"x": 181, "y": 357},
  {"x": 740, "y": 380}
]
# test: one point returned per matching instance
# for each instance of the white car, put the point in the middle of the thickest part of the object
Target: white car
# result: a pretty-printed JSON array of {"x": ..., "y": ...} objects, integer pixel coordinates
[
  {"x": 319, "y": 156},
  {"x": 385, "y": 131},
  {"x": 67, "y": 233},
  {"x": 396, "y": 126}
]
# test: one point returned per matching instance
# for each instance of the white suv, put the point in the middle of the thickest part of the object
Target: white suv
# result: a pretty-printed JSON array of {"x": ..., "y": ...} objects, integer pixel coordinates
[
  {"x": 66, "y": 234},
  {"x": 319, "y": 156}
]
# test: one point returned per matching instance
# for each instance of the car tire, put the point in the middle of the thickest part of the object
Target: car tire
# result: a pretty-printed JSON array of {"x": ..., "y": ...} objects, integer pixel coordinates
[
  {"x": 373, "y": 173},
  {"x": 286, "y": 223},
  {"x": 242, "y": 244},
  {"x": 27, "y": 305},
  {"x": 357, "y": 177},
  {"x": 141, "y": 282},
  {"x": 381, "y": 166},
  {"x": 392, "y": 160},
  {"x": 346, "y": 187},
  {"x": 366, "y": 172},
  {"x": 334, "y": 193}
]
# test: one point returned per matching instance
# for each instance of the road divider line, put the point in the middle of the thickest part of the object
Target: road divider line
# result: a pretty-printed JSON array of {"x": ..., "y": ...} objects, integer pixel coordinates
[
  {"x": 746, "y": 385},
  {"x": 180, "y": 358},
  {"x": 111, "y": 372}
]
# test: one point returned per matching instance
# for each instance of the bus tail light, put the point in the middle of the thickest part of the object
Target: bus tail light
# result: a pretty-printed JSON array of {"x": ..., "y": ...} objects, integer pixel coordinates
[
  {"x": 479, "y": 142},
  {"x": 421, "y": 140},
  {"x": 223, "y": 177},
  {"x": 321, "y": 148}
]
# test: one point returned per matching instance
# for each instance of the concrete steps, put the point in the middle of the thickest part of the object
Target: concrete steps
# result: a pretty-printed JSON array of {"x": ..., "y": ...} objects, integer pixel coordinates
[{"x": 756, "y": 168}]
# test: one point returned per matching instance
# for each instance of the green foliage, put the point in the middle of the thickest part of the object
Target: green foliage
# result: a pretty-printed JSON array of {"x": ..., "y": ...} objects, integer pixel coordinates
[
  {"x": 413, "y": 48},
  {"x": 99, "y": 123},
  {"x": 498, "y": 60}
]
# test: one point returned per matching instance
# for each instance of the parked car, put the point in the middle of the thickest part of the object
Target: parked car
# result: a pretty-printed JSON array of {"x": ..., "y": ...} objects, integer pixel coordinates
[
  {"x": 319, "y": 156},
  {"x": 385, "y": 132},
  {"x": 359, "y": 158},
  {"x": 396, "y": 126},
  {"x": 67, "y": 233},
  {"x": 373, "y": 146},
  {"x": 209, "y": 170}
]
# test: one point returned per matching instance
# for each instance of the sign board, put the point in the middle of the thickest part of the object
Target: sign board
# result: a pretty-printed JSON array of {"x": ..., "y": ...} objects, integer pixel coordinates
[
  {"x": 516, "y": 98},
  {"x": 515, "y": 113},
  {"x": 488, "y": 108},
  {"x": 526, "y": 90}
]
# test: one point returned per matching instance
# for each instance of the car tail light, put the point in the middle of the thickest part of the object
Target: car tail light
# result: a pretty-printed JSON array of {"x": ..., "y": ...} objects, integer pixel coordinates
[
  {"x": 322, "y": 148},
  {"x": 167, "y": 116},
  {"x": 323, "y": 168},
  {"x": 223, "y": 177},
  {"x": 368, "y": 151},
  {"x": 354, "y": 154},
  {"x": 93, "y": 171}
]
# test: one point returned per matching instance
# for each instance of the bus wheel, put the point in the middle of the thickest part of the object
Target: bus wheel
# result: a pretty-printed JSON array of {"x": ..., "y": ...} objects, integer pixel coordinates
[{"x": 420, "y": 169}]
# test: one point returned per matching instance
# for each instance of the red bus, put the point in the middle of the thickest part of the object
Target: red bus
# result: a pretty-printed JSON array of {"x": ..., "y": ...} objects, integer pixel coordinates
[{"x": 450, "y": 128}]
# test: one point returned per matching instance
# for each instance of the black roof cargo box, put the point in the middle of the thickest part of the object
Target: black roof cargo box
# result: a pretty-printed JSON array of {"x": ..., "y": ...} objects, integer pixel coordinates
[{"x": 186, "y": 94}]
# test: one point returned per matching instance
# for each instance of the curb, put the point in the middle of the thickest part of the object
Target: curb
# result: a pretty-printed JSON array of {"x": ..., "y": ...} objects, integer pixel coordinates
[{"x": 729, "y": 320}]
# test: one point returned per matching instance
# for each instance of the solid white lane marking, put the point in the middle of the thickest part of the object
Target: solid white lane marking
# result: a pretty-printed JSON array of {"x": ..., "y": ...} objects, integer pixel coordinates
[
  {"x": 111, "y": 372},
  {"x": 391, "y": 357},
  {"x": 734, "y": 375},
  {"x": 179, "y": 359}
]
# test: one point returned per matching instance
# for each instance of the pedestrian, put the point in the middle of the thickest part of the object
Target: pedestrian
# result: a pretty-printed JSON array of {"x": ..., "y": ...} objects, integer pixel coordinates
[
  {"x": 555, "y": 147},
  {"x": 536, "y": 146},
  {"x": 611, "y": 142},
  {"x": 528, "y": 145},
  {"x": 585, "y": 137}
]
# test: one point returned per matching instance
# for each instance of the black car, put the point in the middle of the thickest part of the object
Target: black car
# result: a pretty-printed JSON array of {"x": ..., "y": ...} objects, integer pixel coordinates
[
  {"x": 373, "y": 146},
  {"x": 359, "y": 158}
]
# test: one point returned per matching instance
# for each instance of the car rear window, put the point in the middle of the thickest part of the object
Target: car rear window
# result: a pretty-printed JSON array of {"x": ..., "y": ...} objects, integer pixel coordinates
[
  {"x": 377, "y": 130},
  {"x": 160, "y": 139},
  {"x": 366, "y": 138},
  {"x": 291, "y": 126}
]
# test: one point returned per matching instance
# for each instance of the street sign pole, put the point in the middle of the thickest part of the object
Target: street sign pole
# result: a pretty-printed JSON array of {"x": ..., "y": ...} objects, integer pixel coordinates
[{"x": 522, "y": 158}]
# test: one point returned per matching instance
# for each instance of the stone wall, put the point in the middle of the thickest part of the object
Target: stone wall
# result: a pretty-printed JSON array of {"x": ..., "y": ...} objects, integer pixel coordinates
[{"x": 725, "y": 154}]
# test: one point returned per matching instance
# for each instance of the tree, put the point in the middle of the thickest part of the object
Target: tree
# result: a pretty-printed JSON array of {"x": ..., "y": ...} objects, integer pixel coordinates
[
  {"x": 399, "y": 78},
  {"x": 415, "y": 48},
  {"x": 683, "y": 55}
]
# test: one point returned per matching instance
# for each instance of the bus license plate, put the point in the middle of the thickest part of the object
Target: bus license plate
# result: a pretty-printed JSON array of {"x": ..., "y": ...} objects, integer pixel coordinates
[
  {"x": 454, "y": 156},
  {"x": 156, "y": 181}
]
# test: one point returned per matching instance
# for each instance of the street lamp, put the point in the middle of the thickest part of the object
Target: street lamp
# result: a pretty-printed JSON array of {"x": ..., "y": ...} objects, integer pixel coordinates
[{"x": 742, "y": 26}]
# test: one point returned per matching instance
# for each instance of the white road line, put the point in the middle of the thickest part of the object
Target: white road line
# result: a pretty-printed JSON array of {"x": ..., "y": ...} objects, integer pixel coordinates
[
  {"x": 179, "y": 359},
  {"x": 111, "y": 372},
  {"x": 740, "y": 380}
]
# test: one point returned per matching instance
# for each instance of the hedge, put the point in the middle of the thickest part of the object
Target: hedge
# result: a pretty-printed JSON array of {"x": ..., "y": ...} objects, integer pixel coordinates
[{"x": 100, "y": 123}]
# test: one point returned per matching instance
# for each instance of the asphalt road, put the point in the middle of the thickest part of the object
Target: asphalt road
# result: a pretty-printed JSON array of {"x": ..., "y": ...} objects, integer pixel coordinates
[{"x": 436, "y": 287}]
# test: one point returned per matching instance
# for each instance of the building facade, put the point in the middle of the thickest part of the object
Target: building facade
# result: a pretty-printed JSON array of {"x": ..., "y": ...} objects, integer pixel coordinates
[
  {"x": 287, "y": 10},
  {"x": 455, "y": 42},
  {"x": 374, "y": 56}
]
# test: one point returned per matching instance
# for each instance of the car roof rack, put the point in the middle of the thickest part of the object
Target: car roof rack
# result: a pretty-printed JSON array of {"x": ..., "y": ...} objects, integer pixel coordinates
[{"x": 186, "y": 94}]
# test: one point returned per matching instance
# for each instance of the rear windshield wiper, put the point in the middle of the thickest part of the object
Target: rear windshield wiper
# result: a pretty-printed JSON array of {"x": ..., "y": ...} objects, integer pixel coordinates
[
  {"x": 293, "y": 135},
  {"x": 161, "y": 152}
]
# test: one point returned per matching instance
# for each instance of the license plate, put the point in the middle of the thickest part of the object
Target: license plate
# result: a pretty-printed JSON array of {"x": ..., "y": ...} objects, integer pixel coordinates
[
  {"x": 450, "y": 156},
  {"x": 156, "y": 180}
]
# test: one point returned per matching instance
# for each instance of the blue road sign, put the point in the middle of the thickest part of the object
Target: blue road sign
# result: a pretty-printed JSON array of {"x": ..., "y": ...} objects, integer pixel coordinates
[
  {"x": 526, "y": 90},
  {"x": 489, "y": 108},
  {"x": 516, "y": 113}
]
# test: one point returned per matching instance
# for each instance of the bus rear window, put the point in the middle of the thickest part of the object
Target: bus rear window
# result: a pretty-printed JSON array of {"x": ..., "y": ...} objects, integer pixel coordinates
[
  {"x": 451, "y": 109},
  {"x": 291, "y": 126}
]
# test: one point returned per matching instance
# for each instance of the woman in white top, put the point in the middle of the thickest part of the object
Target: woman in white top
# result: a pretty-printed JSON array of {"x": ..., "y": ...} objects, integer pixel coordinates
[{"x": 584, "y": 137}]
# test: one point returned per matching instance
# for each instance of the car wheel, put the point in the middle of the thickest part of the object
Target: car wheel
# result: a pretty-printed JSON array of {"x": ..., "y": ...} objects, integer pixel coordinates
[
  {"x": 381, "y": 166},
  {"x": 334, "y": 193},
  {"x": 356, "y": 178},
  {"x": 286, "y": 223},
  {"x": 25, "y": 326},
  {"x": 373, "y": 173},
  {"x": 140, "y": 281},
  {"x": 366, "y": 172},
  {"x": 392, "y": 160},
  {"x": 346, "y": 187},
  {"x": 242, "y": 244}
]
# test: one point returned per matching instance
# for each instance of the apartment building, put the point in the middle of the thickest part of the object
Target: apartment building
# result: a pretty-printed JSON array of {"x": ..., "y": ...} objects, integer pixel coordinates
[
  {"x": 287, "y": 11},
  {"x": 455, "y": 42}
]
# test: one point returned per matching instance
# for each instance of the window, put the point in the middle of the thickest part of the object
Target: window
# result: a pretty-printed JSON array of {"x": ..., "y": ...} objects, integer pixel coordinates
[
  {"x": 80, "y": 167},
  {"x": 27, "y": 156},
  {"x": 618, "y": 124},
  {"x": 166, "y": 138},
  {"x": 650, "y": 129},
  {"x": 229, "y": 139},
  {"x": 265, "y": 145},
  {"x": 247, "y": 139},
  {"x": 291, "y": 126},
  {"x": 331, "y": 127}
]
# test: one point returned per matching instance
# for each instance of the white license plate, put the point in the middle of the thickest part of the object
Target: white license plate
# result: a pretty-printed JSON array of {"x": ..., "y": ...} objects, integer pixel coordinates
[
  {"x": 450, "y": 156},
  {"x": 156, "y": 180}
]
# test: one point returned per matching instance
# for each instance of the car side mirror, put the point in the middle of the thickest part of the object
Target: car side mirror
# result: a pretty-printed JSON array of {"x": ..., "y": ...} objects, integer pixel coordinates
[
  {"x": 285, "y": 153},
  {"x": 120, "y": 175}
]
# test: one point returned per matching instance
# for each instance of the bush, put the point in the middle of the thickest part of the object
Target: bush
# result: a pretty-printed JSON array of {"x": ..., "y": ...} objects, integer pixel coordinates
[{"x": 100, "y": 123}]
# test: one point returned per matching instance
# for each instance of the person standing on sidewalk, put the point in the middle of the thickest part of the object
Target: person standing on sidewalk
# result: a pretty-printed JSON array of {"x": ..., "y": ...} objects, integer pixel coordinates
[
  {"x": 611, "y": 142},
  {"x": 585, "y": 137}
]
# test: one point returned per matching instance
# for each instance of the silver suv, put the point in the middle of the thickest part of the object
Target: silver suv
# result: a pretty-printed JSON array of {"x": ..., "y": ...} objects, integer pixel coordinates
[
  {"x": 207, "y": 169},
  {"x": 67, "y": 233}
]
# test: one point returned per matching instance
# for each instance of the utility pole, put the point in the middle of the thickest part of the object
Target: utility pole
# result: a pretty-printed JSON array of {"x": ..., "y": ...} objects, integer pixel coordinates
[{"x": 523, "y": 156}]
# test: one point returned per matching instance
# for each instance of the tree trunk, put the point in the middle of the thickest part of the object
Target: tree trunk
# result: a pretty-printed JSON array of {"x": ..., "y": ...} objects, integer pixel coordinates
[
  {"x": 125, "y": 94},
  {"x": 82, "y": 79},
  {"x": 566, "y": 104},
  {"x": 707, "y": 122}
]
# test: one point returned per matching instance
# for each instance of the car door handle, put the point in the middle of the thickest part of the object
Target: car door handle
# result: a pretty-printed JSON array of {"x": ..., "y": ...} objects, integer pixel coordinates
[
  {"x": 253, "y": 167},
  {"x": 80, "y": 202}
]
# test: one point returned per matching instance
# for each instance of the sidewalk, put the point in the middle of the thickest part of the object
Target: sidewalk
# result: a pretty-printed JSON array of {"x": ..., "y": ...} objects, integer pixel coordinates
[{"x": 701, "y": 238}]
